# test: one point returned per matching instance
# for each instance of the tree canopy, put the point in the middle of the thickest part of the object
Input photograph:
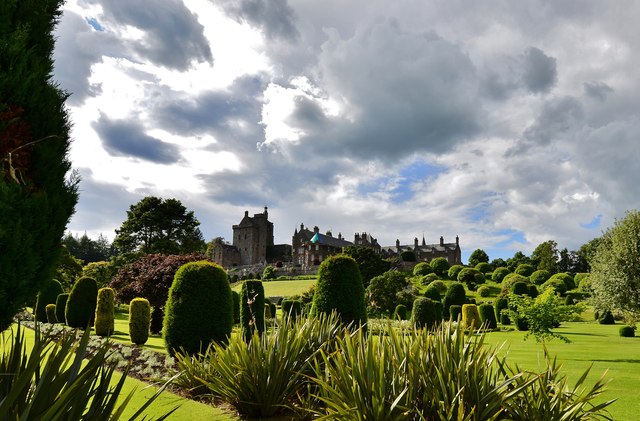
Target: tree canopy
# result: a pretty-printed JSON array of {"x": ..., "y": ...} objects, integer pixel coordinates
[
  {"x": 86, "y": 249},
  {"x": 369, "y": 262},
  {"x": 156, "y": 225},
  {"x": 478, "y": 256},
  {"x": 545, "y": 256}
]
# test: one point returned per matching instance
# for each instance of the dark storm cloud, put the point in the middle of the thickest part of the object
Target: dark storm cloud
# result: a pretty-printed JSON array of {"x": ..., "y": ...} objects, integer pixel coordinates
[
  {"x": 173, "y": 36},
  {"x": 274, "y": 17},
  {"x": 597, "y": 90},
  {"x": 127, "y": 138},
  {"x": 558, "y": 116},
  {"x": 540, "y": 73}
]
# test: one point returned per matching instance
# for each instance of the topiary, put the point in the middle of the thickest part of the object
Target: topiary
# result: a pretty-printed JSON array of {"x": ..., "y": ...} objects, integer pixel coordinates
[
  {"x": 454, "y": 271},
  {"x": 47, "y": 295},
  {"x": 408, "y": 256},
  {"x": 199, "y": 309},
  {"x": 105, "y": 317},
  {"x": 236, "y": 306},
  {"x": 539, "y": 277},
  {"x": 525, "y": 269},
  {"x": 483, "y": 267},
  {"x": 471, "y": 277},
  {"x": 566, "y": 278},
  {"x": 438, "y": 309},
  {"x": 442, "y": 287},
  {"x": 455, "y": 295},
  {"x": 440, "y": 266},
  {"x": 607, "y": 318},
  {"x": 252, "y": 302},
  {"x": 139, "y": 320},
  {"x": 427, "y": 279},
  {"x": 61, "y": 304},
  {"x": 268, "y": 273},
  {"x": 432, "y": 293},
  {"x": 400, "y": 313},
  {"x": 484, "y": 291},
  {"x": 421, "y": 269},
  {"x": 424, "y": 313},
  {"x": 50, "y": 309},
  {"x": 499, "y": 274},
  {"x": 339, "y": 288},
  {"x": 267, "y": 311},
  {"x": 291, "y": 308},
  {"x": 522, "y": 324},
  {"x": 157, "y": 319},
  {"x": 471, "y": 317},
  {"x": 81, "y": 305},
  {"x": 488, "y": 316},
  {"x": 455, "y": 311},
  {"x": 533, "y": 291},
  {"x": 500, "y": 304},
  {"x": 627, "y": 331},
  {"x": 504, "y": 319},
  {"x": 557, "y": 284},
  {"x": 509, "y": 280},
  {"x": 520, "y": 288}
]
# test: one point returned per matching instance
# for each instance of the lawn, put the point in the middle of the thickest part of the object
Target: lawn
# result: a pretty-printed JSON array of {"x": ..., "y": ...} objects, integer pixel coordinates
[{"x": 283, "y": 288}]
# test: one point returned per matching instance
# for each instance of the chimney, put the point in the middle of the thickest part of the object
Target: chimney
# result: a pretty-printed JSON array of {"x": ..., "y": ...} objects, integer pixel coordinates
[
  {"x": 457, "y": 240},
  {"x": 415, "y": 242},
  {"x": 329, "y": 234},
  {"x": 398, "y": 245},
  {"x": 339, "y": 236},
  {"x": 316, "y": 229},
  {"x": 301, "y": 227},
  {"x": 246, "y": 214},
  {"x": 441, "y": 240},
  {"x": 265, "y": 212}
]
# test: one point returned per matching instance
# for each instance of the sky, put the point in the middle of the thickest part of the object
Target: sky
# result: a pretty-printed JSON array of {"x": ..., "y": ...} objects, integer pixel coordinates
[{"x": 505, "y": 123}]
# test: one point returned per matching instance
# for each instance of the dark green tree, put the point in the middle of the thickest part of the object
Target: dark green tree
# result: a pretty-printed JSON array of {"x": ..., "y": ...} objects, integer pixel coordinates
[
  {"x": 545, "y": 256},
  {"x": 369, "y": 262},
  {"x": 568, "y": 261},
  {"x": 585, "y": 255},
  {"x": 478, "y": 256},
  {"x": 47, "y": 295},
  {"x": 88, "y": 250},
  {"x": 517, "y": 259},
  {"x": 37, "y": 193},
  {"x": 440, "y": 266},
  {"x": 156, "y": 225},
  {"x": 381, "y": 294},
  {"x": 498, "y": 263}
]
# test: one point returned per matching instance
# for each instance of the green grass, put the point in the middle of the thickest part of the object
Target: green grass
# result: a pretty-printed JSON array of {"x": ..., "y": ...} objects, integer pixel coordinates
[
  {"x": 121, "y": 334},
  {"x": 282, "y": 288}
]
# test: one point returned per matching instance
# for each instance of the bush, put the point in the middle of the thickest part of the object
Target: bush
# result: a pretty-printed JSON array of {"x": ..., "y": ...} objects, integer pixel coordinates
[
  {"x": 427, "y": 279},
  {"x": 408, "y": 256},
  {"x": 81, "y": 305},
  {"x": 139, "y": 320},
  {"x": 455, "y": 295},
  {"x": 252, "y": 303},
  {"x": 421, "y": 269},
  {"x": 484, "y": 291},
  {"x": 339, "y": 288},
  {"x": 424, "y": 313},
  {"x": 105, "y": 317},
  {"x": 47, "y": 295},
  {"x": 61, "y": 304},
  {"x": 438, "y": 309},
  {"x": 454, "y": 312},
  {"x": 381, "y": 294},
  {"x": 440, "y": 266},
  {"x": 471, "y": 317},
  {"x": 454, "y": 271},
  {"x": 442, "y": 287},
  {"x": 400, "y": 313},
  {"x": 483, "y": 267},
  {"x": 627, "y": 331},
  {"x": 522, "y": 324},
  {"x": 607, "y": 318},
  {"x": 525, "y": 269},
  {"x": 268, "y": 273},
  {"x": 566, "y": 278},
  {"x": 499, "y": 274},
  {"x": 520, "y": 288},
  {"x": 557, "y": 284},
  {"x": 272, "y": 309},
  {"x": 235, "y": 296},
  {"x": 501, "y": 304},
  {"x": 471, "y": 277},
  {"x": 533, "y": 291},
  {"x": 539, "y": 277},
  {"x": 504, "y": 319},
  {"x": 488, "y": 316},
  {"x": 199, "y": 309},
  {"x": 509, "y": 280},
  {"x": 51, "y": 313},
  {"x": 406, "y": 298},
  {"x": 267, "y": 311},
  {"x": 432, "y": 293},
  {"x": 291, "y": 308}
]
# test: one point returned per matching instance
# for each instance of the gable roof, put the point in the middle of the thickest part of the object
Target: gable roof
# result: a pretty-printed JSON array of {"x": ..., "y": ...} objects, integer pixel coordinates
[{"x": 326, "y": 240}]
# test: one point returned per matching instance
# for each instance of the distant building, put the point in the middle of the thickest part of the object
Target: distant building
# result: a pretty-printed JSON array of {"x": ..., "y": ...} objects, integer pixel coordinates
[
  {"x": 426, "y": 252},
  {"x": 310, "y": 248}
]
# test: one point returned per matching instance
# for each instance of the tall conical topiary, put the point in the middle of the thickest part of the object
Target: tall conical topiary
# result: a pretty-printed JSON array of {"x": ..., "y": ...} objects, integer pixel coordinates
[
  {"x": 236, "y": 306},
  {"x": 81, "y": 305},
  {"x": 199, "y": 309},
  {"x": 252, "y": 308},
  {"x": 340, "y": 288},
  {"x": 51, "y": 313},
  {"x": 47, "y": 295},
  {"x": 105, "y": 312},
  {"x": 139, "y": 320},
  {"x": 61, "y": 305}
]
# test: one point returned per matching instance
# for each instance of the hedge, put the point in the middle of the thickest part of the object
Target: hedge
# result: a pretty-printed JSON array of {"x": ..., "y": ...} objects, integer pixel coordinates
[
  {"x": 139, "y": 320},
  {"x": 105, "y": 317},
  {"x": 81, "y": 305}
]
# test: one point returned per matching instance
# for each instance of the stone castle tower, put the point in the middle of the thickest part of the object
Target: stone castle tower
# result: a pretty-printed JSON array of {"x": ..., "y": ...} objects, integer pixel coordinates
[{"x": 252, "y": 237}]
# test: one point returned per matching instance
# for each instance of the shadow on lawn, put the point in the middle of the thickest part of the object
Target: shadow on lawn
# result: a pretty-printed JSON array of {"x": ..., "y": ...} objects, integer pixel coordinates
[{"x": 619, "y": 360}]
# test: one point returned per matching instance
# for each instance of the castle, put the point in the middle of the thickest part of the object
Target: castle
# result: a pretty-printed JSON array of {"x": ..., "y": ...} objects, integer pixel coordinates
[{"x": 253, "y": 244}]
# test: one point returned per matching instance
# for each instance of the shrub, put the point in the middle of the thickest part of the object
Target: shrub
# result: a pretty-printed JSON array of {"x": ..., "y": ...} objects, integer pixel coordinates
[
  {"x": 81, "y": 305},
  {"x": 432, "y": 293},
  {"x": 267, "y": 311},
  {"x": 105, "y": 317},
  {"x": 470, "y": 316},
  {"x": 522, "y": 324},
  {"x": 235, "y": 296},
  {"x": 533, "y": 291},
  {"x": 381, "y": 294},
  {"x": 438, "y": 309},
  {"x": 488, "y": 316},
  {"x": 627, "y": 331},
  {"x": 291, "y": 308},
  {"x": 525, "y": 269},
  {"x": 421, "y": 269},
  {"x": 400, "y": 313},
  {"x": 585, "y": 284},
  {"x": 442, "y": 287},
  {"x": 607, "y": 318},
  {"x": 499, "y": 274},
  {"x": 440, "y": 266},
  {"x": 566, "y": 278},
  {"x": 483, "y": 267},
  {"x": 502, "y": 303},
  {"x": 199, "y": 308},
  {"x": 51, "y": 313},
  {"x": 61, "y": 304},
  {"x": 157, "y": 319},
  {"x": 339, "y": 288},
  {"x": 539, "y": 277},
  {"x": 252, "y": 308},
  {"x": 405, "y": 298},
  {"x": 268, "y": 273},
  {"x": 471, "y": 277},
  {"x": 557, "y": 284},
  {"x": 520, "y": 288},
  {"x": 139, "y": 320},
  {"x": 408, "y": 256},
  {"x": 484, "y": 291},
  {"x": 424, "y": 313},
  {"x": 504, "y": 319},
  {"x": 454, "y": 312},
  {"x": 454, "y": 271},
  {"x": 47, "y": 295},
  {"x": 427, "y": 279},
  {"x": 455, "y": 295},
  {"x": 509, "y": 280},
  {"x": 272, "y": 309}
]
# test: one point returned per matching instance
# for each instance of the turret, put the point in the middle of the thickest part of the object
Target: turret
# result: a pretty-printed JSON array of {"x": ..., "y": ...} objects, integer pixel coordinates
[{"x": 441, "y": 240}]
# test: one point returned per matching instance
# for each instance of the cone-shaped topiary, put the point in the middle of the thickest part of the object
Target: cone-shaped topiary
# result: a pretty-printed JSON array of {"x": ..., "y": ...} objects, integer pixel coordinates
[
  {"x": 291, "y": 308},
  {"x": 51, "y": 313},
  {"x": 455, "y": 295},
  {"x": 488, "y": 316},
  {"x": 199, "y": 309},
  {"x": 105, "y": 317},
  {"x": 400, "y": 312},
  {"x": 339, "y": 288},
  {"x": 252, "y": 308},
  {"x": 607, "y": 318},
  {"x": 139, "y": 320},
  {"x": 61, "y": 305},
  {"x": 499, "y": 274},
  {"x": 81, "y": 305},
  {"x": 424, "y": 313},
  {"x": 470, "y": 316},
  {"x": 47, "y": 295},
  {"x": 455, "y": 311},
  {"x": 236, "y": 306}
]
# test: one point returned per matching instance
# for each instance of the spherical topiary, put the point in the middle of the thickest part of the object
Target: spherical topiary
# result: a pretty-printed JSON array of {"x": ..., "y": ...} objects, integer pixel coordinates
[
  {"x": 484, "y": 291},
  {"x": 454, "y": 271},
  {"x": 539, "y": 277},
  {"x": 566, "y": 278},
  {"x": 520, "y": 288},
  {"x": 499, "y": 274},
  {"x": 400, "y": 312},
  {"x": 199, "y": 309},
  {"x": 557, "y": 284},
  {"x": 471, "y": 277},
  {"x": 81, "y": 305},
  {"x": 105, "y": 315},
  {"x": 236, "y": 306},
  {"x": 440, "y": 266},
  {"x": 509, "y": 280},
  {"x": 424, "y": 313},
  {"x": 455, "y": 311},
  {"x": 61, "y": 304},
  {"x": 50, "y": 309},
  {"x": 421, "y": 269},
  {"x": 483, "y": 267},
  {"x": 139, "y": 320},
  {"x": 470, "y": 316},
  {"x": 627, "y": 331},
  {"x": 488, "y": 316},
  {"x": 339, "y": 288},
  {"x": 47, "y": 295},
  {"x": 525, "y": 269},
  {"x": 291, "y": 308},
  {"x": 607, "y": 318},
  {"x": 442, "y": 287},
  {"x": 429, "y": 278},
  {"x": 456, "y": 295},
  {"x": 252, "y": 302},
  {"x": 432, "y": 293}
]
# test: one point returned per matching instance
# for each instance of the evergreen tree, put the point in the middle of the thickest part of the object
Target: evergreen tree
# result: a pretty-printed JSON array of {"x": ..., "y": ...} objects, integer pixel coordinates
[{"x": 37, "y": 195}]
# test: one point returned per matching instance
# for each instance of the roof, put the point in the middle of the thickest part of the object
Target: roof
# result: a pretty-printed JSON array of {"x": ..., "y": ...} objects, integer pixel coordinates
[
  {"x": 427, "y": 249},
  {"x": 326, "y": 240}
]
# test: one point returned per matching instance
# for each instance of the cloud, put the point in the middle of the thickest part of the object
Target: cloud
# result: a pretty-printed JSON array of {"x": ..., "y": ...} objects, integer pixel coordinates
[
  {"x": 540, "y": 73},
  {"x": 274, "y": 17},
  {"x": 557, "y": 117},
  {"x": 127, "y": 138},
  {"x": 597, "y": 90}
]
